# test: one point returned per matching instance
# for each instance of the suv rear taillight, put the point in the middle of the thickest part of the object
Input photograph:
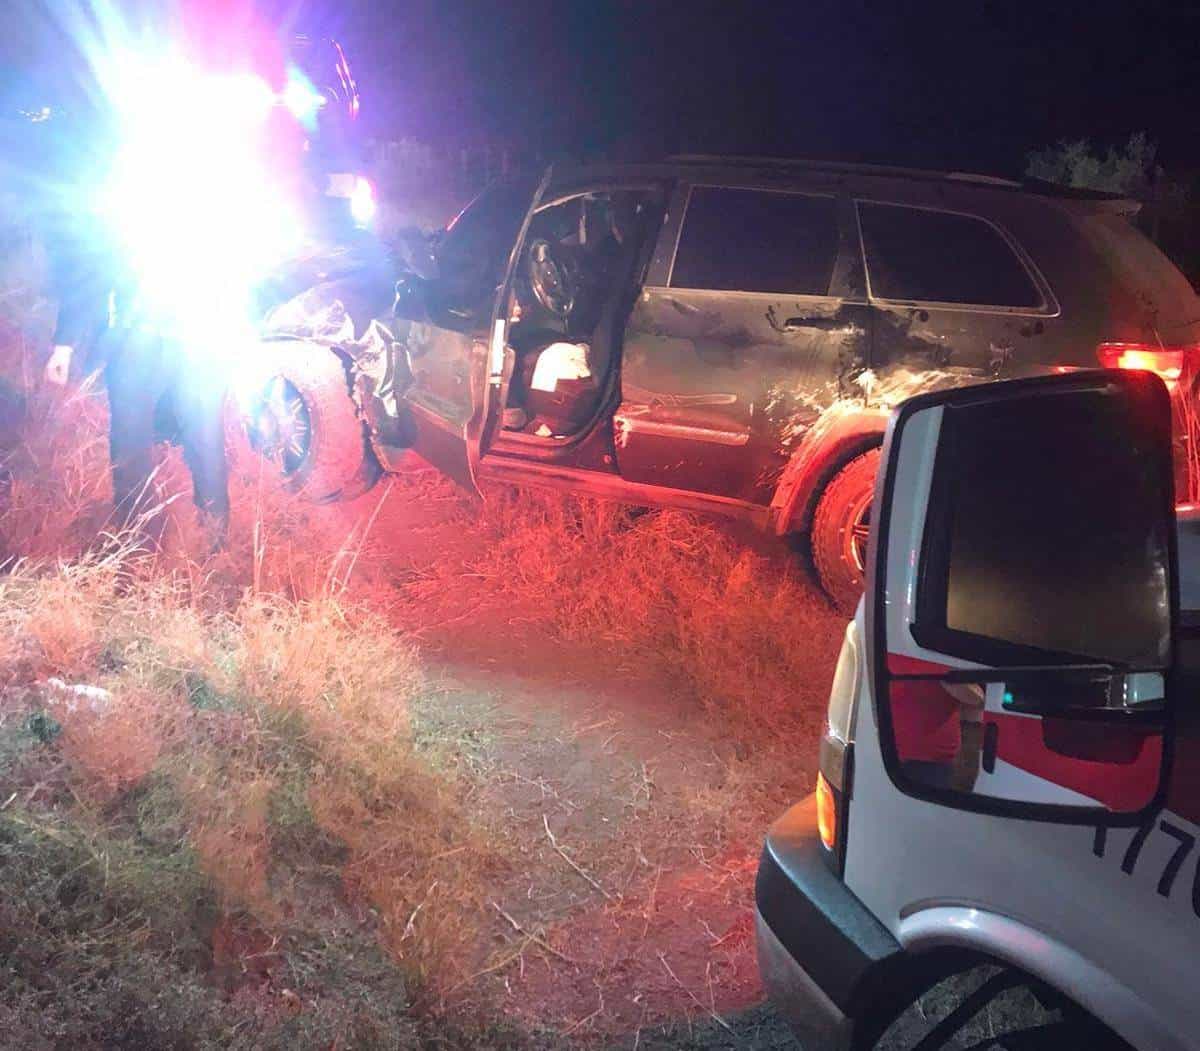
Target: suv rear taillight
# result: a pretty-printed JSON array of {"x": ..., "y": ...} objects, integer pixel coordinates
[{"x": 1164, "y": 362}]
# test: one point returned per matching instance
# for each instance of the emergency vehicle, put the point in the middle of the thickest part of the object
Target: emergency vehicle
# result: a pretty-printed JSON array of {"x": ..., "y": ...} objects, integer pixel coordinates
[{"x": 1001, "y": 849}]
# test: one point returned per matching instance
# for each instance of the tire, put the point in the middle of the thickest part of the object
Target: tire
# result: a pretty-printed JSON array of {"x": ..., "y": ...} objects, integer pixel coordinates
[
  {"x": 992, "y": 1008},
  {"x": 306, "y": 423},
  {"x": 840, "y": 528}
]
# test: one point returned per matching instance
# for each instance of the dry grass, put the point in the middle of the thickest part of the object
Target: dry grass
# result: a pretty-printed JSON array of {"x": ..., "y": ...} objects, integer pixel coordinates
[
  {"x": 237, "y": 843},
  {"x": 742, "y": 629},
  {"x": 244, "y": 732},
  {"x": 56, "y": 465},
  {"x": 263, "y": 749}
]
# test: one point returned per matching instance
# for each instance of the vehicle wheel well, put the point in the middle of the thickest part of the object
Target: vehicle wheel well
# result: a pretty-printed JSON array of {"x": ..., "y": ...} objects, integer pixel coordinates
[
  {"x": 847, "y": 451},
  {"x": 903, "y": 978},
  {"x": 333, "y": 458},
  {"x": 372, "y": 467},
  {"x": 908, "y": 976}
]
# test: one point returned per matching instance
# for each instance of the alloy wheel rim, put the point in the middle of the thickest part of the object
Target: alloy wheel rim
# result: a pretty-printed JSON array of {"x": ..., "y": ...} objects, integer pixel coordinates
[
  {"x": 858, "y": 534},
  {"x": 282, "y": 427}
]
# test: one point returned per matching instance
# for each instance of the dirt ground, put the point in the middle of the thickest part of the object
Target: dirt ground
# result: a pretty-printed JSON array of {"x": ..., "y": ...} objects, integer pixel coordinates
[{"x": 639, "y": 812}]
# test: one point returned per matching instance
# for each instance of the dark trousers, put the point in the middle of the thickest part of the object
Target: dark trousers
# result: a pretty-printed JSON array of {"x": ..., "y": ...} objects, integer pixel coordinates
[{"x": 153, "y": 394}]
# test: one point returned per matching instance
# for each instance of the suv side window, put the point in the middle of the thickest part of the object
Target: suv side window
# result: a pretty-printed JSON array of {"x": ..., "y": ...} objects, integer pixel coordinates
[
  {"x": 757, "y": 241},
  {"x": 917, "y": 254}
]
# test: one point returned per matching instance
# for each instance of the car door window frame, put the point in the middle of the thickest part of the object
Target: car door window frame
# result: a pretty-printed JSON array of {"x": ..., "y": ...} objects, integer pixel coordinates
[
  {"x": 1048, "y": 307},
  {"x": 560, "y": 194},
  {"x": 841, "y": 265},
  {"x": 552, "y": 194}
]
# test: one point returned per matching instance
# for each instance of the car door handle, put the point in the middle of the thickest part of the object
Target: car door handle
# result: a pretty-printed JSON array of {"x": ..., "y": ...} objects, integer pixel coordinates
[{"x": 812, "y": 324}]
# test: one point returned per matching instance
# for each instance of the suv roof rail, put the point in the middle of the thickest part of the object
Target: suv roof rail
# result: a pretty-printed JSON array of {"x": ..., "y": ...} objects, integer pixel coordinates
[
  {"x": 1118, "y": 202},
  {"x": 1106, "y": 201},
  {"x": 843, "y": 166},
  {"x": 989, "y": 180}
]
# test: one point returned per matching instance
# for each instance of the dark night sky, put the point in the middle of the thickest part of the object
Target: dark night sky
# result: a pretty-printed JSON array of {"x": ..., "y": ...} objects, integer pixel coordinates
[
  {"x": 937, "y": 84},
  {"x": 958, "y": 84}
]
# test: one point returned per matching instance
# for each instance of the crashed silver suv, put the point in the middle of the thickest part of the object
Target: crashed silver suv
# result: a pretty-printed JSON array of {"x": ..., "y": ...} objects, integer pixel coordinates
[{"x": 720, "y": 335}]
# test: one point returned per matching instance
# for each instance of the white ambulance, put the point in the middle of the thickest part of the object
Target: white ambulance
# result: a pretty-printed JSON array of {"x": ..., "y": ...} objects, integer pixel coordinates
[{"x": 1002, "y": 848}]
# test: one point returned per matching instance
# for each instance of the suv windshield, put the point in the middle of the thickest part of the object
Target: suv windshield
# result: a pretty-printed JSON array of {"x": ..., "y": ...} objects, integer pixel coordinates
[{"x": 475, "y": 249}]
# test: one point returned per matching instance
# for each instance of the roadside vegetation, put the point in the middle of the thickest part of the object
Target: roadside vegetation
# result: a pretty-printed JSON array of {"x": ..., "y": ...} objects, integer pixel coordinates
[
  {"x": 240, "y": 807},
  {"x": 213, "y": 827}
]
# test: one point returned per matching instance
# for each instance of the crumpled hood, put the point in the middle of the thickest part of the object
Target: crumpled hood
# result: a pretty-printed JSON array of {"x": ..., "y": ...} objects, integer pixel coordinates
[
  {"x": 311, "y": 297},
  {"x": 318, "y": 314},
  {"x": 333, "y": 312}
]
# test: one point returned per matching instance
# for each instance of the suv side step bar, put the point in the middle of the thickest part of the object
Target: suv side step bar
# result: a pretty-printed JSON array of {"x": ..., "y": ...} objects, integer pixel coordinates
[{"x": 613, "y": 487}]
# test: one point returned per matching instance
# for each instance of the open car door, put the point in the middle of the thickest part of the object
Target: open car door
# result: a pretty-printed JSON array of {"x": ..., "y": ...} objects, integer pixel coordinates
[
  {"x": 451, "y": 310},
  {"x": 1022, "y": 597}
]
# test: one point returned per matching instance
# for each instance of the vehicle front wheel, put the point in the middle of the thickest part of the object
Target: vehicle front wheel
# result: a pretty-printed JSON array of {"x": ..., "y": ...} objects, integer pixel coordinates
[
  {"x": 991, "y": 1008},
  {"x": 304, "y": 421},
  {"x": 841, "y": 528}
]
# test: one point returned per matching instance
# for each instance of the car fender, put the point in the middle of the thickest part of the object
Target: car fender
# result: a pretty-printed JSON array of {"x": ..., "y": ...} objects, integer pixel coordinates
[
  {"x": 332, "y": 312},
  {"x": 1006, "y": 939},
  {"x": 848, "y": 428},
  {"x": 841, "y": 432}
]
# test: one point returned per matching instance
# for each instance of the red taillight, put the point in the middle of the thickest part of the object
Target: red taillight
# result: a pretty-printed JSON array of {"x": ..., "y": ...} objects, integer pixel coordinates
[{"x": 1164, "y": 362}]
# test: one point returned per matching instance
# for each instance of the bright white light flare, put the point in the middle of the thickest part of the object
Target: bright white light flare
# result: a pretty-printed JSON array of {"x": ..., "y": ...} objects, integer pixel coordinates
[
  {"x": 192, "y": 198},
  {"x": 362, "y": 202},
  {"x": 301, "y": 98}
]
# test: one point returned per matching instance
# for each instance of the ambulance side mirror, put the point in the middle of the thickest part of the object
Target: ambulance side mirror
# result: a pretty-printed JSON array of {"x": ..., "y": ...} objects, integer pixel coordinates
[{"x": 1022, "y": 596}]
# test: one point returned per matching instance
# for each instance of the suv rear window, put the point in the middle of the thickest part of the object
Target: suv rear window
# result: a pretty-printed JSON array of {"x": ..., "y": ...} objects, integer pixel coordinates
[
  {"x": 939, "y": 257},
  {"x": 757, "y": 241}
]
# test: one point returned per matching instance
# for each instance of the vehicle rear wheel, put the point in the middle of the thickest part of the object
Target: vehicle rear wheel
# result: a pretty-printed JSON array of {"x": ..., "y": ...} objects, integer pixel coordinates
[
  {"x": 305, "y": 423},
  {"x": 841, "y": 528},
  {"x": 991, "y": 1008}
]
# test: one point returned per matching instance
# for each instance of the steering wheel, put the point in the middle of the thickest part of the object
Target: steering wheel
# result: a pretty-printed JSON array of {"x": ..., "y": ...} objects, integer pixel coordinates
[{"x": 551, "y": 278}]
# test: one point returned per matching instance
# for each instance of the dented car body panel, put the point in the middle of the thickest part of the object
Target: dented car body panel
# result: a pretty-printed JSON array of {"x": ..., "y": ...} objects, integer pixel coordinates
[
  {"x": 736, "y": 332},
  {"x": 445, "y": 399},
  {"x": 718, "y": 388}
]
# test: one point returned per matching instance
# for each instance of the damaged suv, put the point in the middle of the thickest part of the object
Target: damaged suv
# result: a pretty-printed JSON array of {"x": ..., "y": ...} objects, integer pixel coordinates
[{"x": 725, "y": 336}]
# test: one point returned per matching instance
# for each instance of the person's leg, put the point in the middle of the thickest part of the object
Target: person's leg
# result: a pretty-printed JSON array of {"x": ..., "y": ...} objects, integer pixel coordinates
[
  {"x": 134, "y": 387},
  {"x": 199, "y": 405}
]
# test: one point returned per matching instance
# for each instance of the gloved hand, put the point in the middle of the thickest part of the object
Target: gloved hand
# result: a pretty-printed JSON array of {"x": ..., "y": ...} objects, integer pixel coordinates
[{"x": 58, "y": 368}]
